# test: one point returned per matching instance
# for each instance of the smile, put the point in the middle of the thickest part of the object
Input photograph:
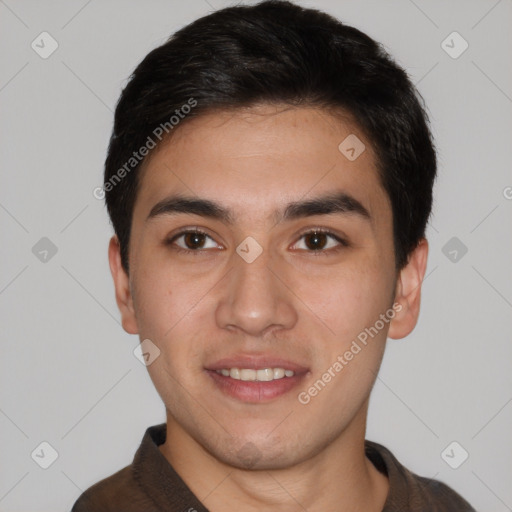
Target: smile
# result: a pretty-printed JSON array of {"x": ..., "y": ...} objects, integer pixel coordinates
[{"x": 261, "y": 375}]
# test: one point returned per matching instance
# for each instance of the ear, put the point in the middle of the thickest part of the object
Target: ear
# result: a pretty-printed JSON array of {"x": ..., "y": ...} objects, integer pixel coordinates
[
  {"x": 408, "y": 292},
  {"x": 122, "y": 286}
]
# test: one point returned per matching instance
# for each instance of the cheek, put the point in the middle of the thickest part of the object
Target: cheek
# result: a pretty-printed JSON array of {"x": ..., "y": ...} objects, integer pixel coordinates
[
  {"x": 353, "y": 305},
  {"x": 163, "y": 297},
  {"x": 171, "y": 312},
  {"x": 347, "y": 301},
  {"x": 349, "y": 354}
]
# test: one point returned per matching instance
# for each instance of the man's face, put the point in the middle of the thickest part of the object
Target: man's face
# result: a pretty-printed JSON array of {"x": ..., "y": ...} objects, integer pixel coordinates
[{"x": 296, "y": 306}]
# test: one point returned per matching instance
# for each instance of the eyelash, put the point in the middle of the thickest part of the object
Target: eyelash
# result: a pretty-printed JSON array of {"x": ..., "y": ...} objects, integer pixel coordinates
[{"x": 321, "y": 252}]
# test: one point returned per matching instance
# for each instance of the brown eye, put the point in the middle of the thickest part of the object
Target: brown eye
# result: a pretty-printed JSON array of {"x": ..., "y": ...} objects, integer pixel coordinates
[
  {"x": 321, "y": 242},
  {"x": 194, "y": 240},
  {"x": 191, "y": 241},
  {"x": 316, "y": 241}
]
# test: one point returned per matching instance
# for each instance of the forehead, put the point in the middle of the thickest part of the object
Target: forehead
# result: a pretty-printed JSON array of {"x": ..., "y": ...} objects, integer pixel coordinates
[{"x": 255, "y": 159}]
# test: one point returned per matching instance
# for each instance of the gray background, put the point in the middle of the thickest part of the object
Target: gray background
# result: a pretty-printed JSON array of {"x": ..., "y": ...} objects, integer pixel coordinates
[{"x": 69, "y": 376}]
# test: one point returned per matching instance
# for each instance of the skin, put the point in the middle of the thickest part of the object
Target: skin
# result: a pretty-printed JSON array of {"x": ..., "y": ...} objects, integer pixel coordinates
[{"x": 290, "y": 302}]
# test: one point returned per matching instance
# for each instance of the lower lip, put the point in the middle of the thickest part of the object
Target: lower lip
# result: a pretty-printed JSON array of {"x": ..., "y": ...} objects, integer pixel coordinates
[{"x": 254, "y": 391}]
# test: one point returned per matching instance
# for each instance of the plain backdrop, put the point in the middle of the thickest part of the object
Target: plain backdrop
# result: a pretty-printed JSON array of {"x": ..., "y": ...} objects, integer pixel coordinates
[{"x": 69, "y": 376}]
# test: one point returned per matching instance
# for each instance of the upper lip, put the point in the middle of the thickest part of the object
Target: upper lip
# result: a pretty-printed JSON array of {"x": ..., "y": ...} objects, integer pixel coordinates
[{"x": 256, "y": 362}]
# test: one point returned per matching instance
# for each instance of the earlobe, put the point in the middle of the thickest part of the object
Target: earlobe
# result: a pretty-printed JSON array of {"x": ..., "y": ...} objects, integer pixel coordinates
[
  {"x": 122, "y": 287},
  {"x": 408, "y": 292}
]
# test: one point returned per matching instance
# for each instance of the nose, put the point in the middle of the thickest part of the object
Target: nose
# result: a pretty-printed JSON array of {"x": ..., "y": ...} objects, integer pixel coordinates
[{"x": 255, "y": 299}]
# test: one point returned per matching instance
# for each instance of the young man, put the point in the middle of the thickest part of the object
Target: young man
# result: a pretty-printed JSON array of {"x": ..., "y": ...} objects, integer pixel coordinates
[{"x": 269, "y": 180}]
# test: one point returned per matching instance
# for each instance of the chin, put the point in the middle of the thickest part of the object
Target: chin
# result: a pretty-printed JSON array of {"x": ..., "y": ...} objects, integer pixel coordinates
[{"x": 258, "y": 454}]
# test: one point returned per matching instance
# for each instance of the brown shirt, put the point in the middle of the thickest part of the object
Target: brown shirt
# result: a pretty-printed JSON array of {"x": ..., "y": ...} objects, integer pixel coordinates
[{"x": 150, "y": 484}]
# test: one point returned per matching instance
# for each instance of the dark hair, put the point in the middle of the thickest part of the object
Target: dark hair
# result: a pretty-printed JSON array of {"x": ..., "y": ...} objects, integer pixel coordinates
[{"x": 277, "y": 52}]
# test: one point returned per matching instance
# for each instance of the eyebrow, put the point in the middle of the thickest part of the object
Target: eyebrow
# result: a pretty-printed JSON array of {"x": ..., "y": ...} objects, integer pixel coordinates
[{"x": 333, "y": 203}]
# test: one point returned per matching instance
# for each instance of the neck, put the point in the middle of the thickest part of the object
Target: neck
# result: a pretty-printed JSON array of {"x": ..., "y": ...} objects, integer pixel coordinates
[{"x": 338, "y": 477}]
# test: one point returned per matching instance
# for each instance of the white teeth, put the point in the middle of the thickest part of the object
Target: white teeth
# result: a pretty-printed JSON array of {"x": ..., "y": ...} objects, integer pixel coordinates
[
  {"x": 262, "y": 375},
  {"x": 278, "y": 373},
  {"x": 267, "y": 374},
  {"x": 247, "y": 374}
]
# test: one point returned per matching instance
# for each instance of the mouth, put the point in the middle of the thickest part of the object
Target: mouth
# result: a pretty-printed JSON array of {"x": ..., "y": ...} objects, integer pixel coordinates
[
  {"x": 255, "y": 379},
  {"x": 252, "y": 375}
]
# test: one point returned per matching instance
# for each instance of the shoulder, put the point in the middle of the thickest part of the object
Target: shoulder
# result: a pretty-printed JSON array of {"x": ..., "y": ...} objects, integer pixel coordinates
[
  {"x": 119, "y": 491},
  {"x": 437, "y": 495},
  {"x": 409, "y": 491}
]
